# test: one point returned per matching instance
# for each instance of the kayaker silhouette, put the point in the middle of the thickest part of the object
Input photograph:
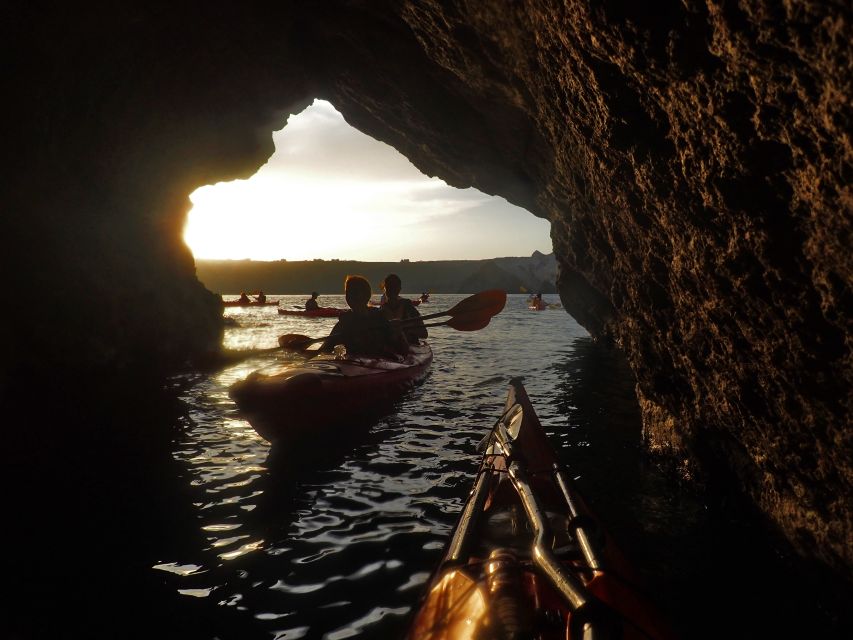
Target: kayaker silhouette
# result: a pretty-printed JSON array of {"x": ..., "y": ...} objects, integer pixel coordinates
[
  {"x": 311, "y": 303},
  {"x": 538, "y": 303},
  {"x": 261, "y": 297},
  {"x": 363, "y": 330},
  {"x": 397, "y": 308},
  {"x": 244, "y": 299}
]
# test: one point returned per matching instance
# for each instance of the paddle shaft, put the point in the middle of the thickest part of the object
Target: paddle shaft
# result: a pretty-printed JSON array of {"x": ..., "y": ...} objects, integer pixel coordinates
[
  {"x": 429, "y": 324},
  {"x": 430, "y": 316},
  {"x": 335, "y": 335},
  {"x": 399, "y": 322},
  {"x": 485, "y": 304}
]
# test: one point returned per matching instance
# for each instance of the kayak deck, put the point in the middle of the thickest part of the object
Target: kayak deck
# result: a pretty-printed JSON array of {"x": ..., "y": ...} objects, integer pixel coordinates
[
  {"x": 324, "y": 392},
  {"x": 527, "y": 558}
]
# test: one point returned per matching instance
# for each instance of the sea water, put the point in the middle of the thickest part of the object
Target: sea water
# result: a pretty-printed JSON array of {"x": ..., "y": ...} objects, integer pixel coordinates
[{"x": 342, "y": 545}]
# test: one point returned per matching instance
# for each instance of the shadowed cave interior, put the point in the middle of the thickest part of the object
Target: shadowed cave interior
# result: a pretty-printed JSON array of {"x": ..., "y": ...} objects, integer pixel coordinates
[{"x": 694, "y": 161}]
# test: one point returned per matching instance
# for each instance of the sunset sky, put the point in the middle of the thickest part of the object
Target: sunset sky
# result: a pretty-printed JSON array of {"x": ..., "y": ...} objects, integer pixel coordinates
[{"x": 330, "y": 191}]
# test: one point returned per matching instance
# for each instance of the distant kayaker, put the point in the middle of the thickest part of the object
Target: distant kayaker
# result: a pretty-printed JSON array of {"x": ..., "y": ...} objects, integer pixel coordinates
[
  {"x": 364, "y": 330},
  {"x": 424, "y": 297},
  {"x": 261, "y": 297},
  {"x": 244, "y": 299},
  {"x": 311, "y": 303},
  {"x": 397, "y": 308},
  {"x": 538, "y": 303}
]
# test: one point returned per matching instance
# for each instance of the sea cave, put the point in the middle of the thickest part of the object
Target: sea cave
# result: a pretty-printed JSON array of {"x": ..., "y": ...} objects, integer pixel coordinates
[{"x": 692, "y": 158}]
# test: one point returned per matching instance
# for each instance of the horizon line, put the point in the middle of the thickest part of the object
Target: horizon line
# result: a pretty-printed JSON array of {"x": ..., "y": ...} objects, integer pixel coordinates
[{"x": 401, "y": 260}]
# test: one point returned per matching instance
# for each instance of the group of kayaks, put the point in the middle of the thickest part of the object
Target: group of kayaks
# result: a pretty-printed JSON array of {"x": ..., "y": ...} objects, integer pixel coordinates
[
  {"x": 321, "y": 312},
  {"x": 526, "y": 559},
  {"x": 250, "y": 303}
]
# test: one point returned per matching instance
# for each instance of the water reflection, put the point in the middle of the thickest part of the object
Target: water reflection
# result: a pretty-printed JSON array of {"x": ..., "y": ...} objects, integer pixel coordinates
[{"x": 337, "y": 540}]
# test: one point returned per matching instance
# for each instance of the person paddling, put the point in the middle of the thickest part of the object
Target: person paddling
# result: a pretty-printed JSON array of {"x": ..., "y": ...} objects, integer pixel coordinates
[
  {"x": 261, "y": 297},
  {"x": 244, "y": 299},
  {"x": 363, "y": 330},
  {"x": 397, "y": 308},
  {"x": 311, "y": 303}
]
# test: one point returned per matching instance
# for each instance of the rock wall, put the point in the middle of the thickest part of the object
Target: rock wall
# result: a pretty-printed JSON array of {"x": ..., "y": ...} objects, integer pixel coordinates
[{"x": 693, "y": 158}]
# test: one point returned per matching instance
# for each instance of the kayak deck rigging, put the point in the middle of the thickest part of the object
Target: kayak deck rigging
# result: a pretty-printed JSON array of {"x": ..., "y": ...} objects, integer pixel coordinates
[{"x": 527, "y": 559}]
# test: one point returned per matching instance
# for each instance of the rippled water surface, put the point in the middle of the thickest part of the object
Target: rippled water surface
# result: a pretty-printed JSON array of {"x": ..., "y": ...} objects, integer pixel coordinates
[{"x": 340, "y": 543}]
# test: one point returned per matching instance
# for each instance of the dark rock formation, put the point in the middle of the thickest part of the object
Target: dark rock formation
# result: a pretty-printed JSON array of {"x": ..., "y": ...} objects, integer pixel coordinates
[{"x": 694, "y": 160}]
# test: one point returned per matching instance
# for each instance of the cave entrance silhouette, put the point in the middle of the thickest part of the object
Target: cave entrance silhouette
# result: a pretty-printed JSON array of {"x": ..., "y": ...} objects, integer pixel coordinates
[{"x": 332, "y": 192}]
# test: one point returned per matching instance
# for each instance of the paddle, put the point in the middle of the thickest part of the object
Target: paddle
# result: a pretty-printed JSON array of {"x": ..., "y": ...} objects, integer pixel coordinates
[
  {"x": 463, "y": 323},
  {"x": 489, "y": 303},
  {"x": 470, "y": 314}
]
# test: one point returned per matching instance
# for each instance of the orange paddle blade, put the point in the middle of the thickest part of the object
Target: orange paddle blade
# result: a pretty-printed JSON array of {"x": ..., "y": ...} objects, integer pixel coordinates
[
  {"x": 489, "y": 302},
  {"x": 486, "y": 304},
  {"x": 472, "y": 322}
]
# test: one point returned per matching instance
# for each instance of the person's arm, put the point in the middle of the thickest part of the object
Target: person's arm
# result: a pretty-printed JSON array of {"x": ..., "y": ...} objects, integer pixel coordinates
[
  {"x": 335, "y": 337},
  {"x": 393, "y": 339},
  {"x": 397, "y": 339},
  {"x": 414, "y": 328}
]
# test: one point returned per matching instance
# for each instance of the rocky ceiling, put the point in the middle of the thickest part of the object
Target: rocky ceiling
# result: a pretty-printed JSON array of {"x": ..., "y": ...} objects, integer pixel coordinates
[{"x": 694, "y": 159}]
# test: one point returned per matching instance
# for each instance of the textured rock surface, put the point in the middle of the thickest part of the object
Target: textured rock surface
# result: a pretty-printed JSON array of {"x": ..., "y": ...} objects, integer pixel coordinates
[{"x": 694, "y": 160}]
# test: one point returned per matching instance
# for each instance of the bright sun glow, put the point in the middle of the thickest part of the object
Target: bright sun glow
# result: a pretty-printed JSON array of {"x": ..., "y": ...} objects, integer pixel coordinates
[{"x": 330, "y": 191}]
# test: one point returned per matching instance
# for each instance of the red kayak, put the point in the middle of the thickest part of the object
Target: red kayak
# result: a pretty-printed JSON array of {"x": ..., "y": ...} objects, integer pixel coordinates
[
  {"x": 322, "y": 312},
  {"x": 527, "y": 558},
  {"x": 253, "y": 303},
  {"x": 303, "y": 399}
]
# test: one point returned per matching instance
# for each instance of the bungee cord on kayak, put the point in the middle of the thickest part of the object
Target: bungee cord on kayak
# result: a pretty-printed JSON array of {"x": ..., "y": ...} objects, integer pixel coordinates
[{"x": 543, "y": 574}]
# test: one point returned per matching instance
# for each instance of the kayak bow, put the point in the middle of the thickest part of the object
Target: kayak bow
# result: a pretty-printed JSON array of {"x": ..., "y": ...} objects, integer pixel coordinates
[{"x": 527, "y": 558}]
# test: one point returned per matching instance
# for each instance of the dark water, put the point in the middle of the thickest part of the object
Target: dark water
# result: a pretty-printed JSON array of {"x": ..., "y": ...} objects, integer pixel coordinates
[
  {"x": 222, "y": 537},
  {"x": 341, "y": 545},
  {"x": 343, "y": 549}
]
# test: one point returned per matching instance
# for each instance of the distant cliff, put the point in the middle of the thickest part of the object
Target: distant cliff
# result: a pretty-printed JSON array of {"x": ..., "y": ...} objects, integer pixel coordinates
[{"x": 515, "y": 275}]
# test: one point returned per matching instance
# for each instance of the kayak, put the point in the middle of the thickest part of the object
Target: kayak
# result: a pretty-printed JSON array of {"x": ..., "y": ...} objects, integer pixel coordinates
[
  {"x": 302, "y": 400},
  {"x": 237, "y": 303},
  {"x": 549, "y": 305},
  {"x": 322, "y": 312},
  {"x": 527, "y": 559}
]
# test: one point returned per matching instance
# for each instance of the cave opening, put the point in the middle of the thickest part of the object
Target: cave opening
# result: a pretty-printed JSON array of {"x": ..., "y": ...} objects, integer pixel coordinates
[{"x": 331, "y": 192}]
